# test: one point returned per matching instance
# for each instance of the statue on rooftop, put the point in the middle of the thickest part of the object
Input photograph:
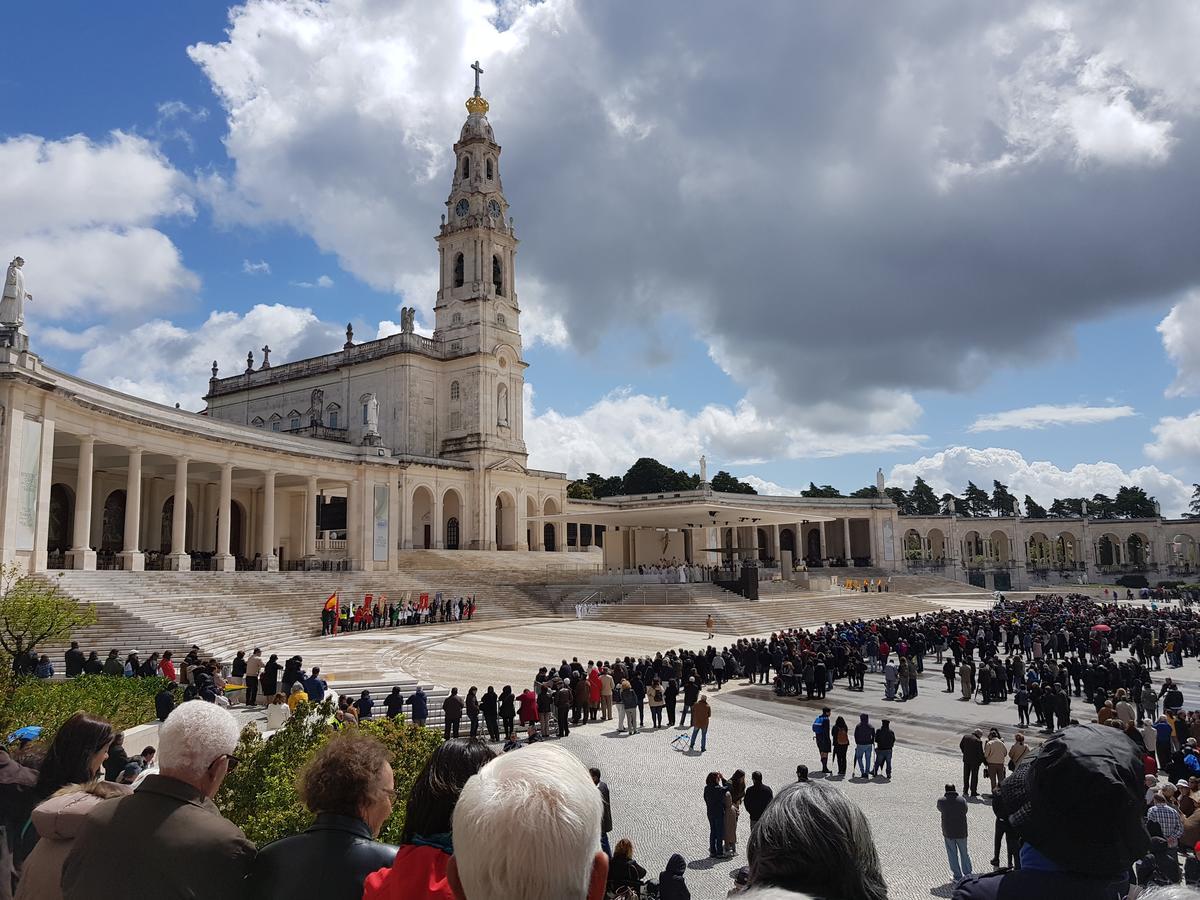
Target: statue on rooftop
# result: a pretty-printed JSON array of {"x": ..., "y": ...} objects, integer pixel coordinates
[{"x": 12, "y": 307}]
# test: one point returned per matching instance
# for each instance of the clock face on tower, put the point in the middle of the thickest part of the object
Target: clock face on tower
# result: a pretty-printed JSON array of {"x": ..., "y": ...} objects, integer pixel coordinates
[
  {"x": 493, "y": 209},
  {"x": 462, "y": 207}
]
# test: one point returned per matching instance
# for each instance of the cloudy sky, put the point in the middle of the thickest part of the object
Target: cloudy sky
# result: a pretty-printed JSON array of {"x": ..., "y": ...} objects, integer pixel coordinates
[{"x": 809, "y": 240}]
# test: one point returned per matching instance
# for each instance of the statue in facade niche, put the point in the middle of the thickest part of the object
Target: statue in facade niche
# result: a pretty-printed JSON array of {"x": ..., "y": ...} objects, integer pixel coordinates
[
  {"x": 372, "y": 424},
  {"x": 12, "y": 307},
  {"x": 316, "y": 410}
]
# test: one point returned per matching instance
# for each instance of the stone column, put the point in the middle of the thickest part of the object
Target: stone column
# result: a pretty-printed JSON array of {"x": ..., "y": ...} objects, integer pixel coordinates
[
  {"x": 824, "y": 544},
  {"x": 406, "y": 525},
  {"x": 226, "y": 562},
  {"x": 776, "y": 553},
  {"x": 560, "y": 536},
  {"x": 438, "y": 530},
  {"x": 354, "y": 524},
  {"x": 268, "y": 561},
  {"x": 846, "y": 541},
  {"x": 41, "y": 529},
  {"x": 310, "y": 521},
  {"x": 394, "y": 538},
  {"x": 179, "y": 560},
  {"x": 132, "y": 558},
  {"x": 82, "y": 556}
]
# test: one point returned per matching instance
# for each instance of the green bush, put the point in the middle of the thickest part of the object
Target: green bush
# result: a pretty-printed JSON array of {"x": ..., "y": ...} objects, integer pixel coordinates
[
  {"x": 125, "y": 702},
  {"x": 260, "y": 796}
]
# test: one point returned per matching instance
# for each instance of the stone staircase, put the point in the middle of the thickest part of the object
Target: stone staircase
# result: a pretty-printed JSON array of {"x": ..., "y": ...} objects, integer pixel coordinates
[{"x": 226, "y": 612}]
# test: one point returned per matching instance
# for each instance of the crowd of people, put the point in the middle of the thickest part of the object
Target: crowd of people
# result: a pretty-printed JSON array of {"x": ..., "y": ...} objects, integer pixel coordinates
[
  {"x": 1058, "y": 658},
  {"x": 380, "y": 612}
]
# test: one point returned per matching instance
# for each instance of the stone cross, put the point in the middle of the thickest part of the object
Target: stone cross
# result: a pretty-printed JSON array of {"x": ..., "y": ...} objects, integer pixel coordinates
[
  {"x": 266, "y": 352},
  {"x": 478, "y": 72}
]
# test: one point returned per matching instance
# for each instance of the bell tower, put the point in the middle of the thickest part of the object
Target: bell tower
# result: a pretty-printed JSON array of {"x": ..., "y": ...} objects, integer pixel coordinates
[
  {"x": 476, "y": 244},
  {"x": 476, "y": 315}
]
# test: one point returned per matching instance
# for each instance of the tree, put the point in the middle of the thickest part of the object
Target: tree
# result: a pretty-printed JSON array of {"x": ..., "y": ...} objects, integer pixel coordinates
[
  {"x": 922, "y": 499},
  {"x": 825, "y": 490},
  {"x": 604, "y": 487},
  {"x": 1132, "y": 503},
  {"x": 976, "y": 500},
  {"x": 870, "y": 492},
  {"x": 728, "y": 484},
  {"x": 1194, "y": 504},
  {"x": 33, "y": 612},
  {"x": 1102, "y": 506},
  {"x": 580, "y": 490},
  {"x": 1066, "y": 508},
  {"x": 1002, "y": 500},
  {"x": 1033, "y": 510},
  {"x": 901, "y": 498},
  {"x": 649, "y": 476}
]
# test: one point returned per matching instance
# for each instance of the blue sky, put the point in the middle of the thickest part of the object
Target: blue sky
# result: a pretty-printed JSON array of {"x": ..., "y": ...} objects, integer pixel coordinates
[{"x": 805, "y": 285}]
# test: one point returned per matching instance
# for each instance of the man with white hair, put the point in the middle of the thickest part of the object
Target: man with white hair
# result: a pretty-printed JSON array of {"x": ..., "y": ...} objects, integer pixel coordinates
[
  {"x": 167, "y": 839},
  {"x": 542, "y": 800}
]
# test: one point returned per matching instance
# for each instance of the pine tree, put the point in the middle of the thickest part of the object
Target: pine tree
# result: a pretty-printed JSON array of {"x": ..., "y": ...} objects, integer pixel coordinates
[
  {"x": 1033, "y": 510},
  {"x": 922, "y": 500}
]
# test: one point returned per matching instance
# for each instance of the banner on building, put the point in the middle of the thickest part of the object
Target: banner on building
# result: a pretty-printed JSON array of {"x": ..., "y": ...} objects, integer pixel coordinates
[
  {"x": 27, "y": 484},
  {"x": 380, "y": 553},
  {"x": 889, "y": 550}
]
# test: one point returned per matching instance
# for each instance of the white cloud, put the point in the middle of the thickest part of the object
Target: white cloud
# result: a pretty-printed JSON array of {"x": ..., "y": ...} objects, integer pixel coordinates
[
  {"x": 262, "y": 267},
  {"x": 1027, "y": 132},
  {"x": 1180, "y": 331},
  {"x": 323, "y": 281},
  {"x": 951, "y": 469},
  {"x": 622, "y": 426},
  {"x": 1176, "y": 438},
  {"x": 768, "y": 487},
  {"x": 83, "y": 214},
  {"x": 1045, "y": 414}
]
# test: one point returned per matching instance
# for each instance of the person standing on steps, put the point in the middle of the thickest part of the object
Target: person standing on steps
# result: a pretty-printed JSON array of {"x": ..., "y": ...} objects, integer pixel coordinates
[
  {"x": 823, "y": 737},
  {"x": 419, "y": 701},
  {"x": 709, "y": 625},
  {"x": 452, "y": 709},
  {"x": 489, "y": 705}
]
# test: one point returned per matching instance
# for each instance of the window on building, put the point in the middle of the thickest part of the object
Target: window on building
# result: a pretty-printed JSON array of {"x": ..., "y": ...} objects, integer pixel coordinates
[
  {"x": 365, "y": 414},
  {"x": 489, "y": 169},
  {"x": 456, "y": 319},
  {"x": 333, "y": 419},
  {"x": 275, "y": 425},
  {"x": 458, "y": 270},
  {"x": 500, "y": 320},
  {"x": 454, "y": 391},
  {"x": 466, "y": 168},
  {"x": 455, "y": 346},
  {"x": 497, "y": 276},
  {"x": 455, "y": 421},
  {"x": 257, "y": 422},
  {"x": 295, "y": 424}
]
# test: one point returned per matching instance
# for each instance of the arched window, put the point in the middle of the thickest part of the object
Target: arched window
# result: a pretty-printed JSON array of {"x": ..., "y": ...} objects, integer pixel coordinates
[
  {"x": 489, "y": 169},
  {"x": 452, "y": 534},
  {"x": 466, "y": 167},
  {"x": 458, "y": 270},
  {"x": 454, "y": 391},
  {"x": 456, "y": 319},
  {"x": 497, "y": 276}
]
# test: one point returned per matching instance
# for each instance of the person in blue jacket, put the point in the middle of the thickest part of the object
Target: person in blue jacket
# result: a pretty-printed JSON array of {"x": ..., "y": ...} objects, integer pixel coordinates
[{"x": 420, "y": 706}]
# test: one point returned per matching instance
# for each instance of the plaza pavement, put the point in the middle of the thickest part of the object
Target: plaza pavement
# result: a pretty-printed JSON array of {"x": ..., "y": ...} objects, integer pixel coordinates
[{"x": 657, "y": 790}]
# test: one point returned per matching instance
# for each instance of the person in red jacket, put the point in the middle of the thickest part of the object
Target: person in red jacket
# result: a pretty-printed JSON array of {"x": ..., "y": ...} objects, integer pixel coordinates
[
  {"x": 419, "y": 871},
  {"x": 528, "y": 711}
]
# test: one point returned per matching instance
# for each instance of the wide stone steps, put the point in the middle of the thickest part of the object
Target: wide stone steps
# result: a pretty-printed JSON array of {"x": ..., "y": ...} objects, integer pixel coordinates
[{"x": 222, "y": 613}]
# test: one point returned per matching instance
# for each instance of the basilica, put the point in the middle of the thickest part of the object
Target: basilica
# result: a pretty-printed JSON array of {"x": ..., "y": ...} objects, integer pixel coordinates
[{"x": 346, "y": 460}]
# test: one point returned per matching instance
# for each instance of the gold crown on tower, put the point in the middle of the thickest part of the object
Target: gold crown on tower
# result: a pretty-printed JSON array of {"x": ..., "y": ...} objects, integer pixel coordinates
[{"x": 477, "y": 106}]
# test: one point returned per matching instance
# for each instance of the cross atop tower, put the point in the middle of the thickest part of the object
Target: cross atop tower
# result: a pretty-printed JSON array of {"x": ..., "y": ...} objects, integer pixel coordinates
[{"x": 478, "y": 72}]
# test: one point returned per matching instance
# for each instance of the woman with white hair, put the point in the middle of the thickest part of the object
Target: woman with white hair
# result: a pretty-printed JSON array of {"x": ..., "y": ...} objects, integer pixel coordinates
[{"x": 812, "y": 840}]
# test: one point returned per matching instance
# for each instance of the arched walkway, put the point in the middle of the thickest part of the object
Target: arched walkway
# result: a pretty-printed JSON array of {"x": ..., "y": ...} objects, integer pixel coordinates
[
  {"x": 506, "y": 521},
  {"x": 452, "y": 517},
  {"x": 1183, "y": 551},
  {"x": 787, "y": 541},
  {"x": 913, "y": 548},
  {"x": 937, "y": 544},
  {"x": 422, "y": 518},
  {"x": 62, "y": 518},
  {"x": 112, "y": 529},
  {"x": 1139, "y": 551},
  {"x": 764, "y": 545},
  {"x": 550, "y": 533},
  {"x": 168, "y": 513}
]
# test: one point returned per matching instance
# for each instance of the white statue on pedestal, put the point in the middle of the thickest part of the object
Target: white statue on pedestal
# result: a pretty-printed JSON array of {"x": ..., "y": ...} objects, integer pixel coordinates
[
  {"x": 703, "y": 470},
  {"x": 879, "y": 482},
  {"x": 372, "y": 415},
  {"x": 12, "y": 307}
]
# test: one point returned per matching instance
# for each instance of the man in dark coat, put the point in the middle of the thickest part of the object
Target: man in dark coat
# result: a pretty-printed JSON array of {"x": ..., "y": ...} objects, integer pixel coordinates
[
  {"x": 1094, "y": 771},
  {"x": 972, "y": 756},
  {"x": 73, "y": 661},
  {"x": 452, "y": 708},
  {"x": 758, "y": 797},
  {"x": 606, "y": 818}
]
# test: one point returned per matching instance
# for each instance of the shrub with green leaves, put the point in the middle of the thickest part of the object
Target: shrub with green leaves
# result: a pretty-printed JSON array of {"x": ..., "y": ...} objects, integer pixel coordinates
[
  {"x": 261, "y": 795},
  {"x": 125, "y": 702}
]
